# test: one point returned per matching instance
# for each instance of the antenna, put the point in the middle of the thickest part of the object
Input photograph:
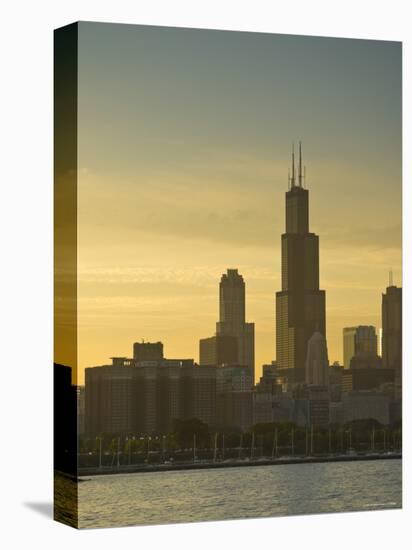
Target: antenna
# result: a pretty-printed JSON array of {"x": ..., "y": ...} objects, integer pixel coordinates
[
  {"x": 390, "y": 277},
  {"x": 293, "y": 166},
  {"x": 300, "y": 164},
  {"x": 304, "y": 176},
  {"x": 288, "y": 178}
]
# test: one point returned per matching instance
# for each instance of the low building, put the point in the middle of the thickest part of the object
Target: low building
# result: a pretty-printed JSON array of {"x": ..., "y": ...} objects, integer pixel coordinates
[
  {"x": 335, "y": 382},
  {"x": 369, "y": 378},
  {"x": 336, "y": 412},
  {"x": 318, "y": 405},
  {"x": 358, "y": 405},
  {"x": 218, "y": 350},
  {"x": 234, "y": 397}
]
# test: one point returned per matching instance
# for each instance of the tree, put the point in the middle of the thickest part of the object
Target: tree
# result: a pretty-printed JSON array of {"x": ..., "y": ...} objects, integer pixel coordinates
[{"x": 184, "y": 430}]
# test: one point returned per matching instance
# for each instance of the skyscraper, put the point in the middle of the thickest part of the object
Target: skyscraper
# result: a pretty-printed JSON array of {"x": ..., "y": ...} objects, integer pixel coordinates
[
  {"x": 300, "y": 305},
  {"x": 358, "y": 340},
  {"x": 232, "y": 317},
  {"x": 392, "y": 327},
  {"x": 218, "y": 350},
  {"x": 317, "y": 363}
]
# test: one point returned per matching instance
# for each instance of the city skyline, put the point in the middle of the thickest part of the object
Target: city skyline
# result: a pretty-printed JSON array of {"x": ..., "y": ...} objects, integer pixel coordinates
[{"x": 220, "y": 206}]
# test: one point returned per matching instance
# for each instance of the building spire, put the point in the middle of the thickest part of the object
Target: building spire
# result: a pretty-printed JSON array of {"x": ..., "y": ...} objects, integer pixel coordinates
[
  {"x": 292, "y": 179},
  {"x": 390, "y": 277},
  {"x": 300, "y": 165}
]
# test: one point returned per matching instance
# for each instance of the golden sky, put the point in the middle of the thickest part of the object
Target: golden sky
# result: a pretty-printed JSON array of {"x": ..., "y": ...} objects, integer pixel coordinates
[{"x": 184, "y": 145}]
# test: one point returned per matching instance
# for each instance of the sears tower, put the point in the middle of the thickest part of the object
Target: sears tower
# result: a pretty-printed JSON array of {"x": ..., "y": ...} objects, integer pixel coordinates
[{"x": 300, "y": 305}]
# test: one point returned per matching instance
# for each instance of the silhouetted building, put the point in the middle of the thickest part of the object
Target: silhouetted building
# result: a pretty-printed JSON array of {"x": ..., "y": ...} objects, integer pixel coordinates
[
  {"x": 270, "y": 402},
  {"x": 64, "y": 420},
  {"x": 336, "y": 412},
  {"x": 218, "y": 350},
  {"x": 335, "y": 381},
  {"x": 234, "y": 397},
  {"x": 146, "y": 396},
  {"x": 122, "y": 362},
  {"x": 198, "y": 398},
  {"x": 80, "y": 410},
  {"x": 232, "y": 317},
  {"x": 392, "y": 327},
  {"x": 318, "y": 405},
  {"x": 275, "y": 406},
  {"x": 365, "y": 361},
  {"x": 147, "y": 351},
  {"x": 300, "y": 305},
  {"x": 392, "y": 334},
  {"x": 359, "y": 405},
  {"x": 269, "y": 382},
  {"x": 317, "y": 363},
  {"x": 361, "y": 339},
  {"x": 110, "y": 401},
  {"x": 365, "y": 378}
]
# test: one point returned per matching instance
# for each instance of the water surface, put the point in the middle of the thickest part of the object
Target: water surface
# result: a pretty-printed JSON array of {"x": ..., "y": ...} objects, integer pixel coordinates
[{"x": 252, "y": 492}]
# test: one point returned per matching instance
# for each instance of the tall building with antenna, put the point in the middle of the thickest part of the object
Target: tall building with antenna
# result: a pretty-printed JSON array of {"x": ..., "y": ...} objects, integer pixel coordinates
[
  {"x": 392, "y": 326},
  {"x": 300, "y": 305}
]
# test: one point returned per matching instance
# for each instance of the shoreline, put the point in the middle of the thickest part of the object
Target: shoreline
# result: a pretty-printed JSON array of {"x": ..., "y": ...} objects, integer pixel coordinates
[{"x": 139, "y": 468}]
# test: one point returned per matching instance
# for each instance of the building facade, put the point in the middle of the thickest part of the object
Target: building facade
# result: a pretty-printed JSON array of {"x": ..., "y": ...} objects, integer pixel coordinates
[
  {"x": 218, "y": 350},
  {"x": 356, "y": 340},
  {"x": 232, "y": 318},
  {"x": 317, "y": 363},
  {"x": 132, "y": 397},
  {"x": 234, "y": 397}
]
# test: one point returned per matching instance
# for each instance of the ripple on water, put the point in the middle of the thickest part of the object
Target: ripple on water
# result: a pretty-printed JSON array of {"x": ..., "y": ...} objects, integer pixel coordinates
[{"x": 233, "y": 493}]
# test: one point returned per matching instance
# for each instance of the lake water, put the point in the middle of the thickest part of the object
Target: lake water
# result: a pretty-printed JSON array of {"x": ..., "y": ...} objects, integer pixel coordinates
[{"x": 247, "y": 492}]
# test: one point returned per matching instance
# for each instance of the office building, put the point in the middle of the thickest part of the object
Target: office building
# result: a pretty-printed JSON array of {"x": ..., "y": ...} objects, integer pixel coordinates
[
  {"x": 300, "y": 305},
  {"x": 365, "y": 377},
  {"x": 147, "y": 351},
  {"x": 232, "y": 317},
  {"x": 234, "y": 397},
  {"x": 319, "y": 405},
  {"x": 358, "y": 405},
  {"x": 360, "y": 339},
  {"x": 146, "y": 396},
  {"x": 317, "y": 363},
  {"x": 218, "y": 350},
  {"x": 335, "y": 382},
  {"x": 392, "y": 334}
]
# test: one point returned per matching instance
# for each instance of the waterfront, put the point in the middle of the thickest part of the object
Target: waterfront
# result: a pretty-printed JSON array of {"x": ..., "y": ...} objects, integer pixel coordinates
[{"x": 235, "y": 493}]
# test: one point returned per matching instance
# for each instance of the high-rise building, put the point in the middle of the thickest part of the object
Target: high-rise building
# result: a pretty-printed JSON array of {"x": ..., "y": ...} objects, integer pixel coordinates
[
  {"x": 198, "y": 393},
  {"x": 356, "y": 340},
  {"x": 232, "y": 317},
  {"x": 300, "y": 305},
  {"x": 317, "y": 363},
  {"x": 147, "y": 351},
  {"x": 234, "y": 397},
  {"x": 368, "y": 377},
  {"x": 392, "y": 328},
  {"x": 218, "y": 350},
  {"x": 131, "y": 396}
]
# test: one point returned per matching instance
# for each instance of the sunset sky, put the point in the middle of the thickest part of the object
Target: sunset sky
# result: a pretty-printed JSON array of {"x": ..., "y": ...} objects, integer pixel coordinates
[{"x": 184, "y": 148}]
